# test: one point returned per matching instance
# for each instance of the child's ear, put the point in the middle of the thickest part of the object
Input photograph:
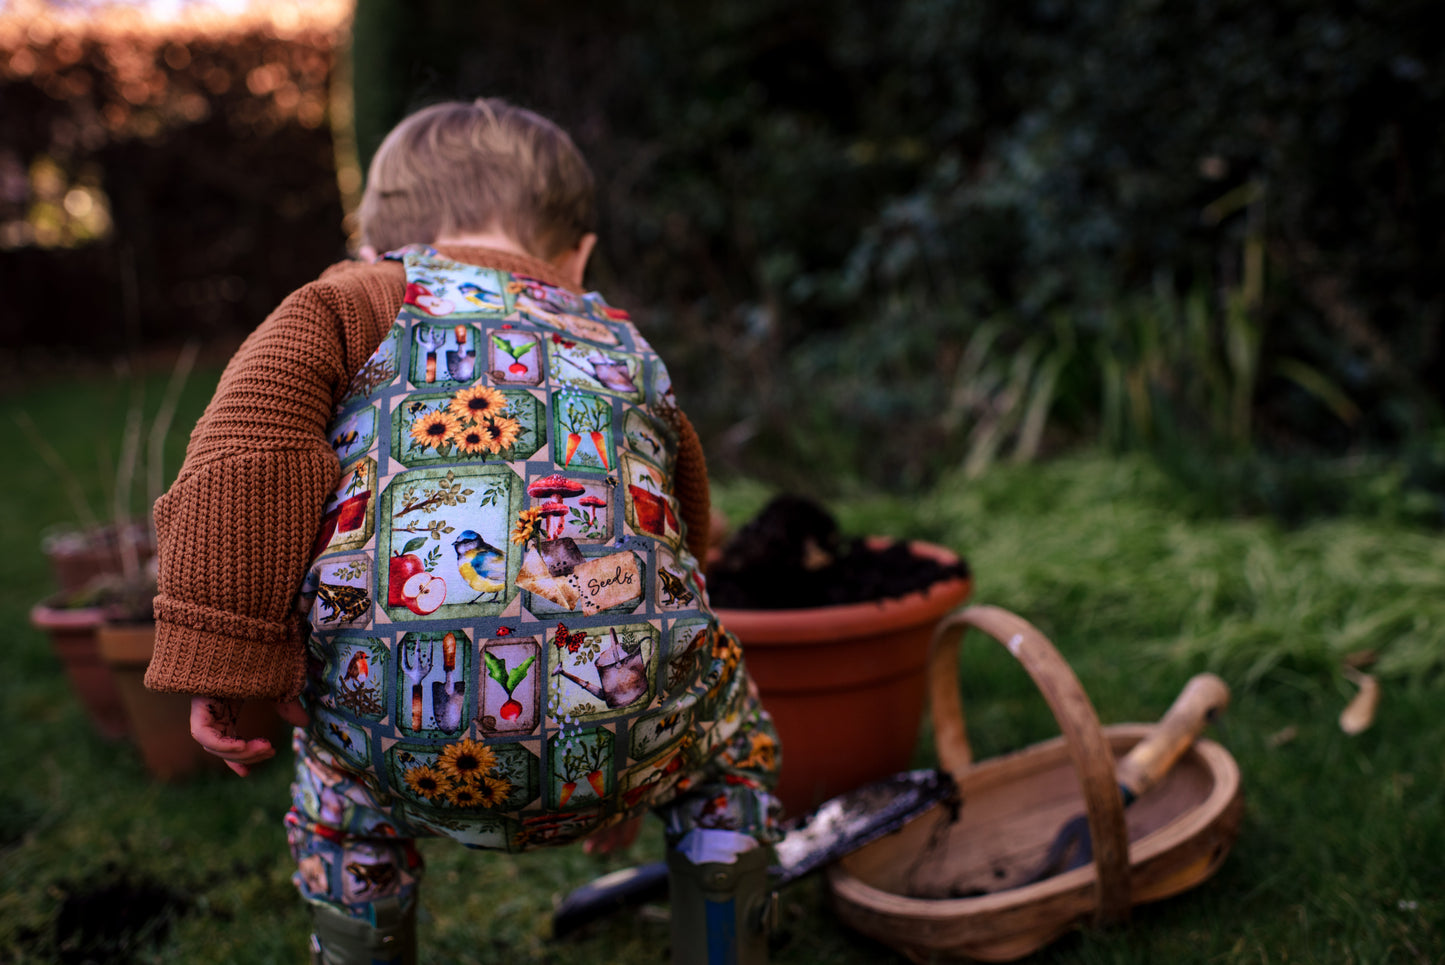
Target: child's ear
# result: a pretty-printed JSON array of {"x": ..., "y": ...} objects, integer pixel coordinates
[{"x": 572, "y": 263}]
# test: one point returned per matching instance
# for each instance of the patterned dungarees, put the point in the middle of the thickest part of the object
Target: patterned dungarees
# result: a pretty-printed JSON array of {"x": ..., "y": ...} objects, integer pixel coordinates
[{"x": 509, "y": 643}]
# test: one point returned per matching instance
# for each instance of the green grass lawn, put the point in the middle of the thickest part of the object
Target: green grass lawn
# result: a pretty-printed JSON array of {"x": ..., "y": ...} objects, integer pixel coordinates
[{"x": 1339, "y": 858}]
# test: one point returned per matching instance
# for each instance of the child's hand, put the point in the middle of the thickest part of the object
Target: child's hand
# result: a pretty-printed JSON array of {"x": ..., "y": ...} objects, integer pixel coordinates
[
  {"x": 214, "y": 727},
  {"x": 615, "y": 838}
]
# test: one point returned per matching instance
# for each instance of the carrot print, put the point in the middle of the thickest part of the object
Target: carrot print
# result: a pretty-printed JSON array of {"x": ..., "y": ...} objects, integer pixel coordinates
[
  {"x": 597, "y": 782},
  {"x": 601, "y": 447},
  {"x": 590, "y": 417},
  {"x": 587, "y": 759}
]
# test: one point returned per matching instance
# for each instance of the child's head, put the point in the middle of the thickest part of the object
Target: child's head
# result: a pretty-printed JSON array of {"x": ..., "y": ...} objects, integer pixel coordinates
[{"x": 457, "y": 168}]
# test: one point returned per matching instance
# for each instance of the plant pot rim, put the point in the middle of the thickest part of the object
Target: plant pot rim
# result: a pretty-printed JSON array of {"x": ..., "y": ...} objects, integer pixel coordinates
[
  {"x": 46, "y": 615},
  {"x": 126, "y": 641},
  {"x": 823, "y": 625}
]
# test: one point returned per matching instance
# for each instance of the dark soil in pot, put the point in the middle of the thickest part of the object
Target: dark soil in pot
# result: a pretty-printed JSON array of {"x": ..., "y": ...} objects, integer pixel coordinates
[{"x": 791, "y": 555}]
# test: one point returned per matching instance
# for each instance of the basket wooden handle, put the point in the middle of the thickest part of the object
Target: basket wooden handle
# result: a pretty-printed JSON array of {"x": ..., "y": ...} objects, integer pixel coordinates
[{"x": 1092, "y": 757}]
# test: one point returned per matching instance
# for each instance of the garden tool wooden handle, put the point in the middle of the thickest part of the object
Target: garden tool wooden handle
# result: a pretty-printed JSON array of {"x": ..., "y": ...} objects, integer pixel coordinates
[{"x": 1203, "y": 698}]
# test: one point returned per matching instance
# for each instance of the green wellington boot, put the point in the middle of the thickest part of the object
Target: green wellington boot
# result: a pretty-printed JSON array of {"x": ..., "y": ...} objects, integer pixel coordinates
[{"x": 339, "y": 939}]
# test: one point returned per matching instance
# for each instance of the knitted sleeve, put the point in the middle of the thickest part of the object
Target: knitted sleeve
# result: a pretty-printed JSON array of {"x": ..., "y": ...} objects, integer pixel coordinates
[
  {"x": 691, "y": 487},
  {"x": 234, "y": 532}
]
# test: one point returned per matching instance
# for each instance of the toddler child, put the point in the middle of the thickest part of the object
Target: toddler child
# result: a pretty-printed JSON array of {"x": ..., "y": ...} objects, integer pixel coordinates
[{"x": 444, "y": 510}]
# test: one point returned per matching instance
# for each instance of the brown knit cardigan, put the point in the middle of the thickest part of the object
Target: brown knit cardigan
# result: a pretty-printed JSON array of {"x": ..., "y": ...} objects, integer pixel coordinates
[{"x": 236, "y": 528}]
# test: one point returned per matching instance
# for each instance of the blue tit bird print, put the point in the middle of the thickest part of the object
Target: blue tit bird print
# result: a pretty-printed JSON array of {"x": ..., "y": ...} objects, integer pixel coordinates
[{"x": 481, "y": 564}]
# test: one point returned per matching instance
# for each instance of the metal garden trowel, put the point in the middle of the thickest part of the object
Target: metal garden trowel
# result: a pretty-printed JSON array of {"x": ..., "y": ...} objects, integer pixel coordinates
[{"x": 835, "y": 828}]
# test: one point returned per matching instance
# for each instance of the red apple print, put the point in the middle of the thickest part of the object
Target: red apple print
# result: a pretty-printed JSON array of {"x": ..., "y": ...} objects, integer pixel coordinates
[{"x": 400, "y": 569}]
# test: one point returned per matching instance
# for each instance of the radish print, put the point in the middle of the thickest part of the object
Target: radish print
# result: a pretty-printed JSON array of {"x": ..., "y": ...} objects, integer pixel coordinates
[{"x": 508, "y": 681}]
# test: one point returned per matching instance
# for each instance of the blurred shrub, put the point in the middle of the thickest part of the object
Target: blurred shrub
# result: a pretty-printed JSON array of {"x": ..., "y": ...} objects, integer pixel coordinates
[
  {"x": 160, "y": 181},
  {"x": 823, "y": 206}
]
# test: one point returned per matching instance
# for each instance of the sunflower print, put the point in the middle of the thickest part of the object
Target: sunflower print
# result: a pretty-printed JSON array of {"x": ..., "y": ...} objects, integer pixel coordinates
[
  {"x": 467, "y": 760},
  {"x": 434, "y": 429},
  {"x": 464, "y": 796},
  {"x": 426, "y": 781},
  {"x": 501, "y": 432},
  {"x": 471, "y": 440},
  {"x": 477, "y": 403},
  {"x": 493, "y": 792}
]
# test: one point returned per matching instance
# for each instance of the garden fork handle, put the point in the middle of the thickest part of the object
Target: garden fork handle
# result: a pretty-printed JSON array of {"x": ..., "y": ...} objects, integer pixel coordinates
[{"x": 1203, "y": 698}]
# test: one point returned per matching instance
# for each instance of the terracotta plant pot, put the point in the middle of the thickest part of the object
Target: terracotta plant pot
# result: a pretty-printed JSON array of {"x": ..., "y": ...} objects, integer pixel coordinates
[
  {"x": 159, "y": 723},
  {"x": 72, "y": 633},
  {"x": 846, "y": 685},
  {"x": 79, "y": 557}
]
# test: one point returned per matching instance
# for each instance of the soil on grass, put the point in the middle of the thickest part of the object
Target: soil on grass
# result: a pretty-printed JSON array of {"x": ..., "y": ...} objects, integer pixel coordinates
[
  {"x": 792, "y": 555},
  {"x": 115, "y": 918}
]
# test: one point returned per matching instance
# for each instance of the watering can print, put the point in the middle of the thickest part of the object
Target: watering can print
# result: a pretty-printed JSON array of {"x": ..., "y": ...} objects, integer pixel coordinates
[{"x": 623, "y": 675}]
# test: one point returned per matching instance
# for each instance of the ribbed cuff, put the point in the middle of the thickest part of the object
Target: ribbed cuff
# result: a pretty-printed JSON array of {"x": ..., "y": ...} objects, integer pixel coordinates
[{"x": 191, "y": 661}]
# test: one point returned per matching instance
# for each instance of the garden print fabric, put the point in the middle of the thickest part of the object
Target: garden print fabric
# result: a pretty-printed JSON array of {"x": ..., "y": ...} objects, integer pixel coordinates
[{"x": 509, "y": 642}]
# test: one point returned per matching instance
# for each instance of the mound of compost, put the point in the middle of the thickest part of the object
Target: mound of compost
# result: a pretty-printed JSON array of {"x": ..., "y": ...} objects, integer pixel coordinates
[{"x": 791, "y": 555}]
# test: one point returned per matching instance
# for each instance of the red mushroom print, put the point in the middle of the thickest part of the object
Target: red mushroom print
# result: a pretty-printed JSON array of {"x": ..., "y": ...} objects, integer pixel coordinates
[
  {"x": 593, "y": 503},
  {"x": 555, "y": 486},
  {"x": 554, "y": 509}
]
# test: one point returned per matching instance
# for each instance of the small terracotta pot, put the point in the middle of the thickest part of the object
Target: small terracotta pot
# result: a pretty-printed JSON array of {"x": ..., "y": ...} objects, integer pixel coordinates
[
  {"x": 846, "y": 685},
  {"x": 160, "y": 723},
  {"x": 72, "y": 633},
  {"x": 79, "y": 557}
]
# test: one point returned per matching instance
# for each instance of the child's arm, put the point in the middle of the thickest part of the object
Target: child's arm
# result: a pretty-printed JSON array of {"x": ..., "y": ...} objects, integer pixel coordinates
[{"x": 235, "y": 530}]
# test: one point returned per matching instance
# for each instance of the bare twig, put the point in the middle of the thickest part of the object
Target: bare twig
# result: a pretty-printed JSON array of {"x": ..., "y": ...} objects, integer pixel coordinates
[{"x": 160, "y": 427}]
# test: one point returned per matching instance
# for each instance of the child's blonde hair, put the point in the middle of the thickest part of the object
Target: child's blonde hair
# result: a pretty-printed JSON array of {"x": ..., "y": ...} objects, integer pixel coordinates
[{"x": 460, "y": 167}]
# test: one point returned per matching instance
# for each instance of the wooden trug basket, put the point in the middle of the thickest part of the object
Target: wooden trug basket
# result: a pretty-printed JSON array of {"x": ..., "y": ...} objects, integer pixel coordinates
[{"x": 938, "y": 890}]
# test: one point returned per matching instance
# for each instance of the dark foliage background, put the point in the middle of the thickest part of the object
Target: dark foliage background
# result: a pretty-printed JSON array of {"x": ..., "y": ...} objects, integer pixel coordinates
[
  {"x": 879, "y": 240},
  {"x": 820, "y": 204},
  {"x": 216, "y": 161}
]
